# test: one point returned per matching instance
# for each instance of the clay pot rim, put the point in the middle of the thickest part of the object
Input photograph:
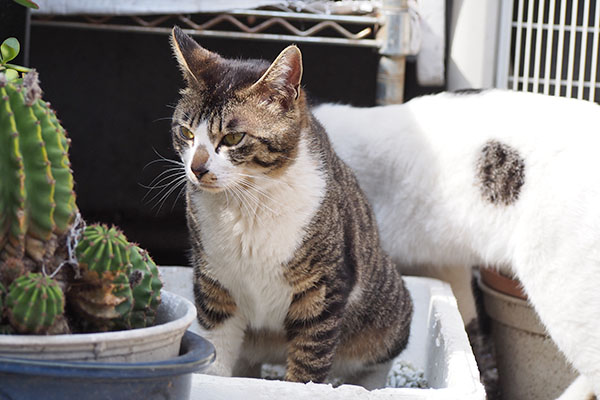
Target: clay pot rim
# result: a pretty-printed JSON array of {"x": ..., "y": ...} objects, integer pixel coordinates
[{"x": 501, "y": 283}]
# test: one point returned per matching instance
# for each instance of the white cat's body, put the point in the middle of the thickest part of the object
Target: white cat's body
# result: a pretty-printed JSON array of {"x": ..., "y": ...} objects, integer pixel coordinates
[{"x": 420, "y": 166}]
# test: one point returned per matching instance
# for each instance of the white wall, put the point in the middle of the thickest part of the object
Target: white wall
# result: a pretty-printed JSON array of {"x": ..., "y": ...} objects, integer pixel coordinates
[{"x": 473, "y": 44}]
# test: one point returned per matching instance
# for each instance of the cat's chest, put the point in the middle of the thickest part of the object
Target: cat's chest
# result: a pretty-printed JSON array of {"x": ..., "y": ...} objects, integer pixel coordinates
[
  {"x": 249, "y": 258},
  {"x": 248, "y": 247}
]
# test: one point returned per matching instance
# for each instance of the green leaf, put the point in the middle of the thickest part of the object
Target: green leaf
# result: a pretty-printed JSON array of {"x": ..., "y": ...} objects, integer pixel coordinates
[
  {"x": 27, "y": 3},
  {"x": 17, "y": 67},
  {"x": 11, "y": 74},
  {"x": 9, "y": 49}
]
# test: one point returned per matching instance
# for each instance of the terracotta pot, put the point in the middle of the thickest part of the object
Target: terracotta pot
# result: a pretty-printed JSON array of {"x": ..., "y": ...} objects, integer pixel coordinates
[{"x": 530, "y": 366}]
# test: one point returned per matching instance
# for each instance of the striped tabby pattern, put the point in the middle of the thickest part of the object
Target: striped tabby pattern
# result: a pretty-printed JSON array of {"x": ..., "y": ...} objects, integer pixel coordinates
[{"x": 285, "y": 247}]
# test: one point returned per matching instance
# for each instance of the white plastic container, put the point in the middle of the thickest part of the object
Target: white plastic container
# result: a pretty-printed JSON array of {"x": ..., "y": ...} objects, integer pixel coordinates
[{"x": 438, "y": 346}]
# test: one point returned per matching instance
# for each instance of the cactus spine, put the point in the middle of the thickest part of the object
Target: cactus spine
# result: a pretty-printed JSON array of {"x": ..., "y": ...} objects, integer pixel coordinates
[
  {"x": 35, "y": 303},
  {"x": 37, "y": 202}
]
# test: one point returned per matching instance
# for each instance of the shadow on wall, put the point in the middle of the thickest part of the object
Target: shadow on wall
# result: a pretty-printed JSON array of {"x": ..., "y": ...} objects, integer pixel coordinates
[{"x": 114, "y": 93}]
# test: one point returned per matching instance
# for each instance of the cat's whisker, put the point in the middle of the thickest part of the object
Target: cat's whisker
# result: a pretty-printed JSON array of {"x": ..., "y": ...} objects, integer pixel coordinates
[
  {"x": 275, "y": 180},
  {"x": 240, "y": 198},
  {"x": 253, "y": 204},
  {"x": 162, "y": 119},
  {"x": 161, "y": 177},
  {"x": 157, "y": 161},
  {"x": 261, "y": 191},
  {"x": 263, "y": 194},
  {"x": 171, "y": 180},
  {"x": 258, "y": 203},
  {"x": 166, "y": 159},
  {"x": 162, "y": 184},
  {"x": 162, "y": 158},
  {"x": 226, "y": 196},
  {"x": 178, "y": 196},
  {"x": 162, "y": 200}
]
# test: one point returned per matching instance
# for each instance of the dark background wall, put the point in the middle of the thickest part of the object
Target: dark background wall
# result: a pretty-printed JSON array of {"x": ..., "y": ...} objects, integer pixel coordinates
[{"x": 114, "y": 91}]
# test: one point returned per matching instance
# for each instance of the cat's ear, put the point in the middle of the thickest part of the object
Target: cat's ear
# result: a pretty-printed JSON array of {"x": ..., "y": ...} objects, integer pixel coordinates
[
  {"x": 282, "y": 79},
  {"x": 193, "y": 59}
]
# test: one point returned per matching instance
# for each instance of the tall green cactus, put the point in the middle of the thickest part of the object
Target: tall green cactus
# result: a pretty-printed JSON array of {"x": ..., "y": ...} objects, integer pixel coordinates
[
  {"x": 37, "y": 201},
  {"x": 35, "y": 303}
]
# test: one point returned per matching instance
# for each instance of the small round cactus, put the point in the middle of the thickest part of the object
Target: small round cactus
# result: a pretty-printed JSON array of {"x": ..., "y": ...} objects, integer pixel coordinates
[
  {"x": 146, "y": 285},
  {"x": 120, "y": 288},
  {"x": 34, "y": 303},
  {"x": 102, "y": 253}
]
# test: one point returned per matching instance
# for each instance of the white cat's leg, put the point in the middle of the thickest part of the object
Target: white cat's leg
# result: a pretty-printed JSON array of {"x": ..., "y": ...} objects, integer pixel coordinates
[
  {"x": 459, "y": 277},
  {"x": 565, "y": 294},
  {"x": 227, "y": 339},
  {"x": 580, "y": 389}
]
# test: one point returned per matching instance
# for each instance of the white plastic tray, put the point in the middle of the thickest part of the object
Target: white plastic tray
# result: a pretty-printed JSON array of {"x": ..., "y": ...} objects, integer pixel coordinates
[{"x": 438, "y": 345}]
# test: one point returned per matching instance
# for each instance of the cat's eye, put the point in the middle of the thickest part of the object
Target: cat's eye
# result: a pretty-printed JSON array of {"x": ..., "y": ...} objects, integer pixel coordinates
[
  {"x": 232, "y": 139},
  {"x": 186, "y": 133}
]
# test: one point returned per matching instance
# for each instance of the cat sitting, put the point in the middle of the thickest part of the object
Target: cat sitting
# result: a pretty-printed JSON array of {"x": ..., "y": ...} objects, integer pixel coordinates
[
  {"x": 493, "y": 178},
  {"x": 285, "y": 248}
]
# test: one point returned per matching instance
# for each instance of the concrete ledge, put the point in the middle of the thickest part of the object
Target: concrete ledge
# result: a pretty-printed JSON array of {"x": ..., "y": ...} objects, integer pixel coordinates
[{"x": 438, "y": 345}]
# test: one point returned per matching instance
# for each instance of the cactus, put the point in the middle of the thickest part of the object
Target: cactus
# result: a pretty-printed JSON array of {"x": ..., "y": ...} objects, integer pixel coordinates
[
  {"x": 102, "y": 253},
  {"x": 10, "y": 270},
  {"x": 117, "y": 286},
  {"x": 103, "y": 306},
  {"x": 37, "y": 201},
  {"x": 2, "y": 294},
  {"x": 104, "y": 298},
  {"x": 120, "y": 286},
  {"x": 145, "y": 283},
  {"x": 35, "y": 303}
]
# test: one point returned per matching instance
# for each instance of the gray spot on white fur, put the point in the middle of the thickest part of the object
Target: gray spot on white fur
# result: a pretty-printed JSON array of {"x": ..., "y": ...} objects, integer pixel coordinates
[{"x": 500, "y": 173}]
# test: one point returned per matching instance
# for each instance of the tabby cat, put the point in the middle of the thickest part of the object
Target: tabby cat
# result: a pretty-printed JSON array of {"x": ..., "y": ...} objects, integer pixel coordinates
[
  {"x": 285, "y": 248},
  {"x": 495, "y": 178}
]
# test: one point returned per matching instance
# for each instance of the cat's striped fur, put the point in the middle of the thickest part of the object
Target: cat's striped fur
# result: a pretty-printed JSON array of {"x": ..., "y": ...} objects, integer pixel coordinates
[{"x": 284, "y": 244}]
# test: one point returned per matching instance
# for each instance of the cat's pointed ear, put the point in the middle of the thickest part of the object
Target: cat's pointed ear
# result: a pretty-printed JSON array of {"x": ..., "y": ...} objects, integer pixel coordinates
[
  {"x": 193, "y": 59},
  {"x": 282, "y": 79}
]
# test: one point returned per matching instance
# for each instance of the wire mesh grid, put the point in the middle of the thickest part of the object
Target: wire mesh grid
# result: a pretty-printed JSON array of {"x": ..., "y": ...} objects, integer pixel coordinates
[{"x": 553, "y": 48}]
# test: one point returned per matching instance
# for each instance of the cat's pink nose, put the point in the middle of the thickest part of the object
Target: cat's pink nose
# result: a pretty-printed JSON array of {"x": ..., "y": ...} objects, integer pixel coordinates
[{"x": 199, "y": 167}]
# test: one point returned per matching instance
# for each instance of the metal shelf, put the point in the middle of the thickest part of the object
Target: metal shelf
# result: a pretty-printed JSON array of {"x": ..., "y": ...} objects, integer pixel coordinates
[
  {"x": 385, "y": 28},
  {"x": 346, "y": 30}
]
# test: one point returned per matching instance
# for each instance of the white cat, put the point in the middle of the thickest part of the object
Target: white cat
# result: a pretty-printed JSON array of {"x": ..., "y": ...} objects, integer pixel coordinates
[{"x": 495, "y": 178}]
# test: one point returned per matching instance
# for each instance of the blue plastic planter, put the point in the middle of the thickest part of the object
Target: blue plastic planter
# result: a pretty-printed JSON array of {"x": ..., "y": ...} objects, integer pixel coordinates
[{"x": 22, "y": 379}]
